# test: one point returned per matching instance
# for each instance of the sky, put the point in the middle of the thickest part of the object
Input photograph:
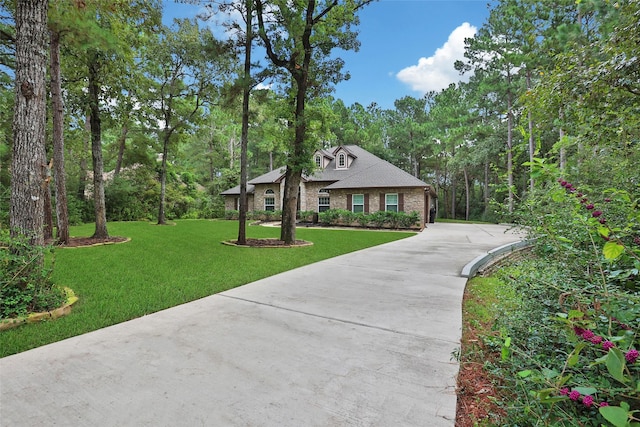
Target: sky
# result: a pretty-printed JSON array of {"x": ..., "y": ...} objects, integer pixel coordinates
[{"x": 407, "y": 47}]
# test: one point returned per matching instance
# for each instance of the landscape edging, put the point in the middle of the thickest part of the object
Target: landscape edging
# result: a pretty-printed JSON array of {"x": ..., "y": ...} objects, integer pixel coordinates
[{"x": 491, "y": 256}]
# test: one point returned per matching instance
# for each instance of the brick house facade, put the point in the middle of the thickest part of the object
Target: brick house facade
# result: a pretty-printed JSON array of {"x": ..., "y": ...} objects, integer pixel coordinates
[{"x": 346, "y": 177}]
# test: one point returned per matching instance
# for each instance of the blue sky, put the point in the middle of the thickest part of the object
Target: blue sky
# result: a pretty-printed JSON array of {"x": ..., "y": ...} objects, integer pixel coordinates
[{"x": 408, "y": 47}]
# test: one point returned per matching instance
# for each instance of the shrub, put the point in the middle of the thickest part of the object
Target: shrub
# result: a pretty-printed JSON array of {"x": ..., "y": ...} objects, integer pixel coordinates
[
  {"x": 306, "y": 216},
  {"x": 25, "y": 282},
  {"x": 570, "y": 352},
  {"x": 379, "y": 219},
  {"x": 329, "y": 217},
  {"x": 80, "y": 211},
  {"x": 231, "y": 215}
]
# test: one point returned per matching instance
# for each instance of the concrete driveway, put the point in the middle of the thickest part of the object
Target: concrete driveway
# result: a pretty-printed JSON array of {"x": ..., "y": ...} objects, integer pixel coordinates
[{"x": 364, "y": 339}]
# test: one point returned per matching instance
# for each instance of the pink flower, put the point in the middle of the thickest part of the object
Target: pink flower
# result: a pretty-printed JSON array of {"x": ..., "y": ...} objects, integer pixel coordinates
[
  {"x": 602, "y": 220},
  {"x": 631, "y": 355},
  {"x": 596, "y": 339},
  {"x": 587, "y": 334},
  {"x": 578, "y": 330},
  {"x": 596, "y": 214},
  {"x": 574, "y": 395},
  {"x": 587, "y": 401},
  {"x": 564, "y": 391},
  {"x": 604, "y": 404},
  {"x": 590, "y": 206},
  {"x": 607, "y": 345}
]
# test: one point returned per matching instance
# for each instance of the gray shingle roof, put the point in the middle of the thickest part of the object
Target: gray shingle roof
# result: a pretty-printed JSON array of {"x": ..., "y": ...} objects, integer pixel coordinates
[
  {"x": 269, "y": 177},
  {"x": 235, "y": 191},
  {"x": 365, "y": 171}
]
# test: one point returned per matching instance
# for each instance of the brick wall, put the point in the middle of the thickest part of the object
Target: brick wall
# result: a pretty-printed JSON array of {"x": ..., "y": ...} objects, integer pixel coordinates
[
  {"x": 309, "y": 195},
  {"x": 231, "y": 204},
  {"x": 414, "y": 199},
  {"x": 259, "y": 196}
]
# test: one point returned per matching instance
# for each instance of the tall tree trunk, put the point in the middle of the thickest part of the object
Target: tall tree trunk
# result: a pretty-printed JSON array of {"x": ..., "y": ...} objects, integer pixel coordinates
[
  {"x": 96, "y": 149},
  {"x": 47, "y": 230},
  {"x": 232, "y": 154},
  {"x": 28, "y": 178},
  {"x": 510, "y": 144},
  {"x": 466, "y": 191},
  {"x": 121, "y": 146},
  {"x": 290, "y": 205},
  {"x": 211, "y": 160},
  {"x": 162, "y": 220},
  {"x": 532, "y": 144},
  {"x": 244, "y": 137},
  {"x": 486, "y": 187},
  {"x": 82, "y": 182},
  {"x": 293, "y": 174},
  {"x": 453, "y": 195},
  {"x": 62, "y": 213}
]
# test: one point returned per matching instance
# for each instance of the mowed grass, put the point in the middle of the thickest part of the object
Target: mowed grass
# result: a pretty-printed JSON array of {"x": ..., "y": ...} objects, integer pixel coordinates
[{"x": 164, "y": 266}]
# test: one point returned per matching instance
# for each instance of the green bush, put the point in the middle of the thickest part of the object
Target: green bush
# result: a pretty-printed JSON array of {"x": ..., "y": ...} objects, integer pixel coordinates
[
  {"x": 123, "y": 202},
  {"x": 570, "y": 350},
  {"x": 329, "y": 217},
  {"x": 80, "y": 211},
  {"x": 25, "y": 282},
  {"x": 379, "y": 219},
  {"x": 306, "y": 216},
  {"x": 231, "y": 215}
]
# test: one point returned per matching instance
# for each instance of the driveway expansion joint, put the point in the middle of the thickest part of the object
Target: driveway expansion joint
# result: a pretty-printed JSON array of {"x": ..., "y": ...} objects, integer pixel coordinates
[{"x": 335, "y": 319}]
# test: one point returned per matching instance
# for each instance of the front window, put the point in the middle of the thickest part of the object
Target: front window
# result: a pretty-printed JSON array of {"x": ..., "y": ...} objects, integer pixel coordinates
[
  {"x": 270, "y": 204},
  {"x": 318, "y": 161},
  {"x": 269, "y": 200},
  {"x": 391, "y": 202},
  {"x": 323, "y": 203},
  {"x": 358, "y": 203}
]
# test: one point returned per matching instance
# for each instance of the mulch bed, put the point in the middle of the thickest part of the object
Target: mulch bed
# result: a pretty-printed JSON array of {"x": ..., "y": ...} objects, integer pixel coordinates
[
  {"x": 79, "y": 242},
  {"x": 476, "y": 389},
  {"x": 270, "y": 243}
]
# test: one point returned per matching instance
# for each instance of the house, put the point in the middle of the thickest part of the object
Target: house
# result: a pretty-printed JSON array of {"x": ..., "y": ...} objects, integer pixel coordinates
[{"x": 346, "y": 177}]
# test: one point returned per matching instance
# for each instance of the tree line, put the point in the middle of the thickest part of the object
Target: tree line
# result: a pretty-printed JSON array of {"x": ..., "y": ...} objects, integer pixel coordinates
[{"x": 151, "y": 121}]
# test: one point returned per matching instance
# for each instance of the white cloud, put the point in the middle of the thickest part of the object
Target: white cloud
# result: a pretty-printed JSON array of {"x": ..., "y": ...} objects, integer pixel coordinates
[{"x": 437, "y": 72}]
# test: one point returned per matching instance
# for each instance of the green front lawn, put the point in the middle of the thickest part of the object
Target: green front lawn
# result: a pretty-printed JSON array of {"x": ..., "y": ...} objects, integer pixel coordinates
[{"x": 163, "y": 266}]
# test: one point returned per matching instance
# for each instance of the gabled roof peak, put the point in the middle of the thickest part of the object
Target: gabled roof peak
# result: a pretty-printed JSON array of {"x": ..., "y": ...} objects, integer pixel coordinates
[{"x": 345, "y": 149}]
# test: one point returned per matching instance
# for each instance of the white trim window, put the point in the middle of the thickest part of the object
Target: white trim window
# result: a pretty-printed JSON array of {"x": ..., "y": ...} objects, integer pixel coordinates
[
  {"x": 341, "y": 163},
  {"x": 318, "y": 160},
  {"x": 269, "y": 200},
  {"x": 391, "y": 202},
  {"x": 357, "y": 203},
  {"x": 324, "y": 202}
]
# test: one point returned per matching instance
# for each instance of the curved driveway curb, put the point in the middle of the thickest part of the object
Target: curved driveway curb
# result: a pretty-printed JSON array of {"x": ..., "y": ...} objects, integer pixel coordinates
[{"x": 364, "y": 339}]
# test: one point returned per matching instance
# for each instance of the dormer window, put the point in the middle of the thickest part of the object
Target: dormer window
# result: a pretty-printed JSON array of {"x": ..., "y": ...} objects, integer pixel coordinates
[
  {"x": 342, "y": 161},
  {"x": 318, "y": 161}
]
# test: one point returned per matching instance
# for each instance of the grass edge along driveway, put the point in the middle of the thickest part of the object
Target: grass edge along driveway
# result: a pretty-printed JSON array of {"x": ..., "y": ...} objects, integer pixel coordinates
[{"x": 164, "y": 266}]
